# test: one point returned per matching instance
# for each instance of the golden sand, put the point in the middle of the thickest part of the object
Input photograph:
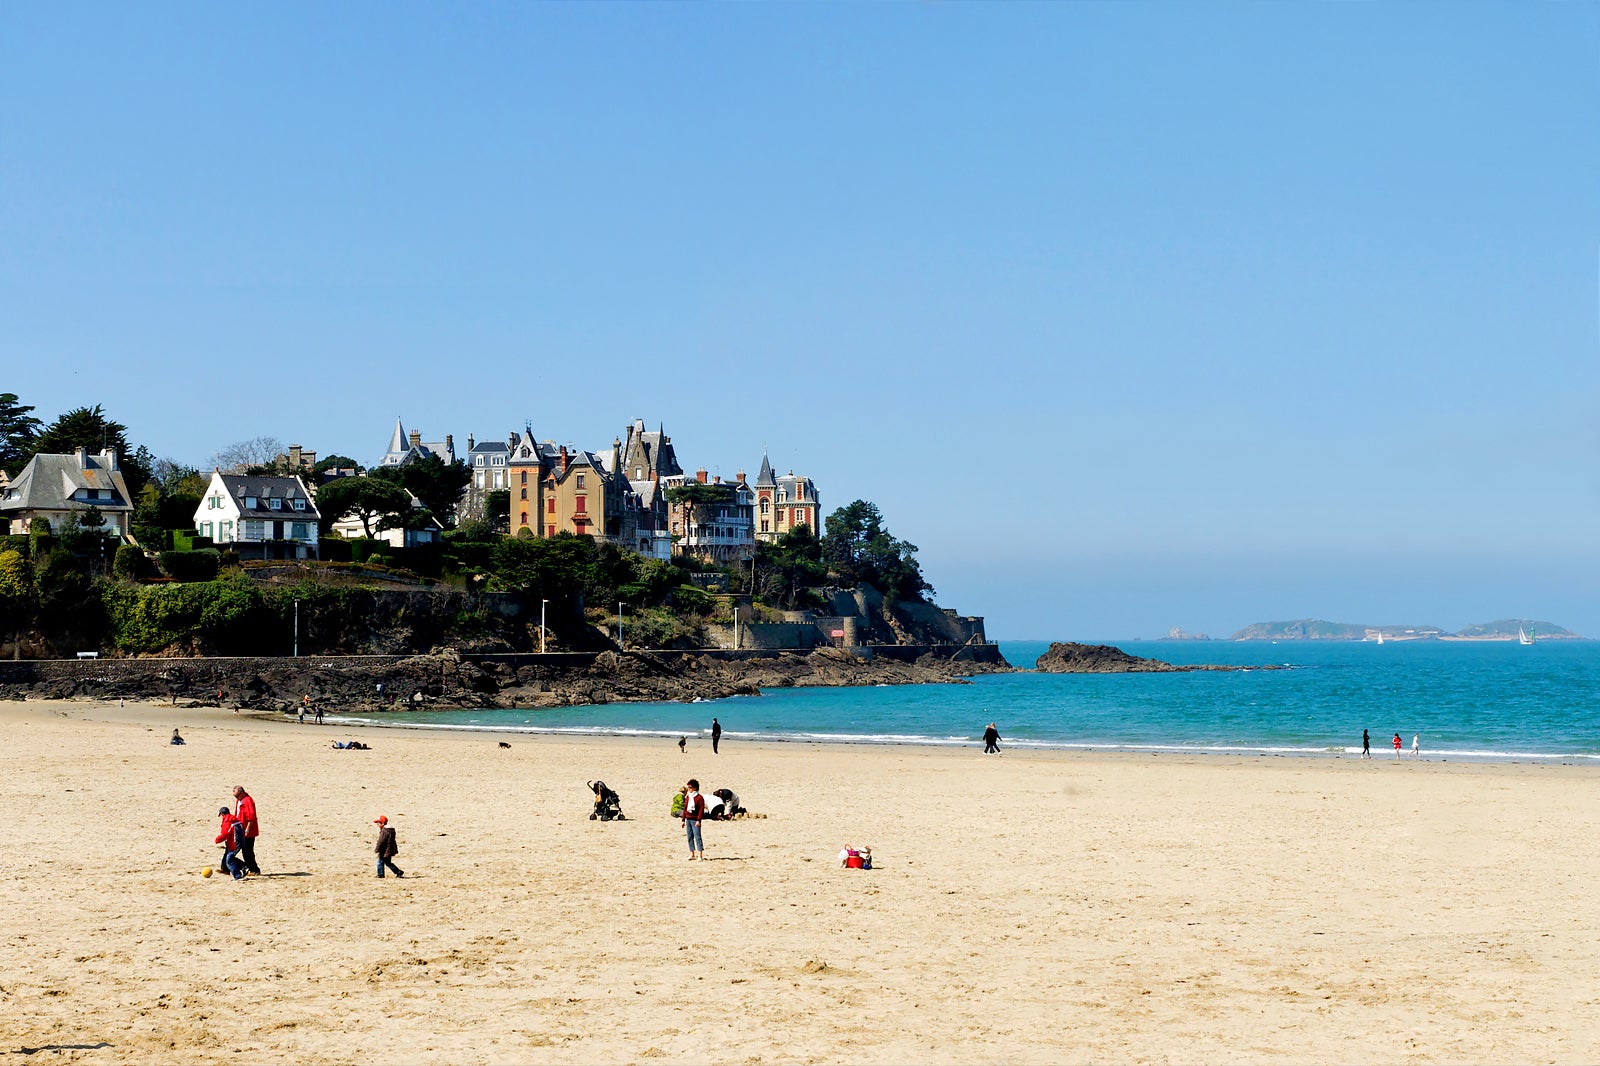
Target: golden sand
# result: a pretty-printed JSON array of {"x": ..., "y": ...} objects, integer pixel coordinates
[{"x": 1043, "y": 907}]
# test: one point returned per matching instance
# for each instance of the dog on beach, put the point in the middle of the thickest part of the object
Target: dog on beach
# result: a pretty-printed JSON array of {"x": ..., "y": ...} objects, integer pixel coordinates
[{"x": 503, "y": 744}]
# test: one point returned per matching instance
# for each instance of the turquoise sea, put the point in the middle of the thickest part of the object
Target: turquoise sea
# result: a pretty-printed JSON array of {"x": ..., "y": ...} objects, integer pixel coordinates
[{"x": 1471, "y": 701}]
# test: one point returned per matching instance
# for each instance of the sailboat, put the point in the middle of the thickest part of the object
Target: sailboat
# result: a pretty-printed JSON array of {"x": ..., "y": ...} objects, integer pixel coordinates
[
  {"x": 1380, "y": 636},
  {"x": 1524, "y": 636}
]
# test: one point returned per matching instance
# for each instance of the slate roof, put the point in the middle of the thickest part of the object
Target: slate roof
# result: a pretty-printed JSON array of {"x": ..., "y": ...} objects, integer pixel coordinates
[
  {"x": 764, "y": 479},
  {"x": 265, "y": 489},
  {"x": 49, "y": 482},
  {"x": 651, "y": 452}
]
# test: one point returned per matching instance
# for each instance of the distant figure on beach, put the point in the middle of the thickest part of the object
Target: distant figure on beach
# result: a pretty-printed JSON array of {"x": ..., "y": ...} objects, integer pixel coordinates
[
  {"x": 856, "y": 858},
  {"x": 245, "y": 813},
  {"x": 677, "y": 801},
  {"x": 716, "y": 734},
  {"x": 302, "y": 714},
  {"x": 387, "y": 847},
  {"x": 231, "y": 836},
  {"x": 683, "y": 745},
  {"x": 991, "y": 740},
  {"x": 176, "y": 739},
  {"x": 694, "y": 809},
  {"x": 1416, "y": 744},
  {"x": 318, "y": 709},
  {"x": 1366, "y": 744},
  {"x": 1397, "y": 742},
  {"x": 724, "y": 804}
]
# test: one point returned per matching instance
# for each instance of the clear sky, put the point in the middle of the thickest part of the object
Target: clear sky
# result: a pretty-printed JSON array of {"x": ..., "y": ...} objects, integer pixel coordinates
[{"x": 1129, "y": 315}]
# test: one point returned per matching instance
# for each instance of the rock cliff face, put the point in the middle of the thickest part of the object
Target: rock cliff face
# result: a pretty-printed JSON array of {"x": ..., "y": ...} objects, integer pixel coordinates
[{"x": 1104, "y": 659}]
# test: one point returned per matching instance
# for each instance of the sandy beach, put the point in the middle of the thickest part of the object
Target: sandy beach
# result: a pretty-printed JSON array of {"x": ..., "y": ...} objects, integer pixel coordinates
[{"x": 1030, "y": 907}]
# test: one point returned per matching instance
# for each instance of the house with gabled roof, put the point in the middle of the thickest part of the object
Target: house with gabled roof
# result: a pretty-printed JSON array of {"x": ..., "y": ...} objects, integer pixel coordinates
[
  {"x": 56, "y": 487},
  {"x": 408, "y": 447},
  {"x": 260, "y": 517}
]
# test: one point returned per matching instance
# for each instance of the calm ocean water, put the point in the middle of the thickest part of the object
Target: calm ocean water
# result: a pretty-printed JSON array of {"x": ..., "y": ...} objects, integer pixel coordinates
[{"x": 1484, "y": 701}]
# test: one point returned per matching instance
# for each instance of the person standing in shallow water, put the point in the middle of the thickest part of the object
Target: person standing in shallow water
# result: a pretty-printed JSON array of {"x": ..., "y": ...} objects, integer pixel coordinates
[
  {"x": 1366, "y": 744},
  {"x": 991, "y": 740},
  {"x": 716, "y": 734}
]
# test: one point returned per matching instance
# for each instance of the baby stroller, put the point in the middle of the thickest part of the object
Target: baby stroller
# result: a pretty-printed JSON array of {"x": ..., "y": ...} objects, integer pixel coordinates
[{"x": 607, "y": 804}]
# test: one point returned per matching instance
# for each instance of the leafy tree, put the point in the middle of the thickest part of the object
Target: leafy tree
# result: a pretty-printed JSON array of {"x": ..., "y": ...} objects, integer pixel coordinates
[
  {"x": 697, "y": 498},
  {"x": 553, "y": 568},
  {"x": 437, "y": 484},
  {"x": 497, "y": 510},
  {"x": 859, "y": 550},
  {"x": 789, "y": 568},
  {"x": 378, "y": 503},
  {"x": 16, "y": 595},
  {"x": 337, "y": 462},
  {"x": 17, "y": 431},
  {"x": 90, "y": 429}
]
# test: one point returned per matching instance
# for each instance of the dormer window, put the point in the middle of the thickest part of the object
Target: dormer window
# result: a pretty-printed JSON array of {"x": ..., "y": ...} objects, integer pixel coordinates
[
  {"x": 275, "y": 504},
  {"x": 299, "y": 504},
  {"x": 250, "y": 503}
]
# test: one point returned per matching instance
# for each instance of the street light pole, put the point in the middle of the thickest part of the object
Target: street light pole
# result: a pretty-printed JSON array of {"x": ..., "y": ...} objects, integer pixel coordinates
[
  {"x": 542, "y": 605},
  {"x": 297, "y": 629},
  {"x": 736, "y": 629},
  {"x": 619, "y": 623}
]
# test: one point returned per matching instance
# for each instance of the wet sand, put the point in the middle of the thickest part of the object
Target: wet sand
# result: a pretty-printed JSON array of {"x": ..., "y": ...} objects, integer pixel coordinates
[{"x": 1030, "y": 907}]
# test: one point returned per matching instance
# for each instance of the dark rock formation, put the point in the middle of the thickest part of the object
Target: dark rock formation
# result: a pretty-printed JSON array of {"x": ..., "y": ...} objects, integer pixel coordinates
[{"x": 1105, "y": 659}]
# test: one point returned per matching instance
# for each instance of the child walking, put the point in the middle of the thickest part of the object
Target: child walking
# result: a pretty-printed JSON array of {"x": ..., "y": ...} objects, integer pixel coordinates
[{"x": 387, "y": 847}]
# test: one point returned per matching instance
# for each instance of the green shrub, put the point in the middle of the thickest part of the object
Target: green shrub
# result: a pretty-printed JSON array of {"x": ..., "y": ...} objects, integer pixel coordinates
[
  {"x": 125, "y": 564},
  {"x": 191, "y": 565}
]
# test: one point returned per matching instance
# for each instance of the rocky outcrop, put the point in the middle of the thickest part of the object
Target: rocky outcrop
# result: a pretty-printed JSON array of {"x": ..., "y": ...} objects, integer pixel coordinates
[
  {"x": 1105, "y": 659},
  {"x": 452, "y": 679}
]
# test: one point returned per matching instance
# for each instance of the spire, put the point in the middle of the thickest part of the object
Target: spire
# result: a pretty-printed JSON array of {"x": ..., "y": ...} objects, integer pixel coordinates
[
  {"x": 765, "y": 478},
  {"x": 397, "y": 443}
]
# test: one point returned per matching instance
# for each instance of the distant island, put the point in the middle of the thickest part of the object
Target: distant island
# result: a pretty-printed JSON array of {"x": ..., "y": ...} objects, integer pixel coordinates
[{"x": 1505, "y": 629}]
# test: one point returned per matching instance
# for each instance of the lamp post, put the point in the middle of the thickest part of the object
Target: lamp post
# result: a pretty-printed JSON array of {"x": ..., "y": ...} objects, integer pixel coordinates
[
  {"x": 542, "y": 605},
  {"x": 619, "y": 623},
  {"x": 736, "y": 629},
  {"x": 297, "y": 629}
]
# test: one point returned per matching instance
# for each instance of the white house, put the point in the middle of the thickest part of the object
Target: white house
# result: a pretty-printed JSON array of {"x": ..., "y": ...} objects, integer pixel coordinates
[{"x": 261, "y": 517}]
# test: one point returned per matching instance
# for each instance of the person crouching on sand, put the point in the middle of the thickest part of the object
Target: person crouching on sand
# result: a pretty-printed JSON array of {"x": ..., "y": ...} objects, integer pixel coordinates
[
  {"x": 231, "y": 837},
  {"x": 387, "y": 847}
]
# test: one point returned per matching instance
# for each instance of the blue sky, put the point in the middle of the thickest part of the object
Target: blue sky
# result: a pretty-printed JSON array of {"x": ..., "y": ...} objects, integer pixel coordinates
[{"x": 1129, "y": 315}]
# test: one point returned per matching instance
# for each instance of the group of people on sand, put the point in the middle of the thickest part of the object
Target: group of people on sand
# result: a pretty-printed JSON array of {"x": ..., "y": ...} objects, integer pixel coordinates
[{"x": 1366, "y": 744}]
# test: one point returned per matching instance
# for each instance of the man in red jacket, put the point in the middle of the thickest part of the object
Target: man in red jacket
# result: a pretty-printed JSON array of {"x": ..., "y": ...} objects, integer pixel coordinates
[{"x": 245, "y": 813}]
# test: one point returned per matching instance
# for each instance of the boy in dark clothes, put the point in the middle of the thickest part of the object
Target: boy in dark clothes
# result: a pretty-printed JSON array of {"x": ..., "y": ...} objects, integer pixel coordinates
[
  {"x": 387, "y": 847},
  {"x": 231, "y": 837}
]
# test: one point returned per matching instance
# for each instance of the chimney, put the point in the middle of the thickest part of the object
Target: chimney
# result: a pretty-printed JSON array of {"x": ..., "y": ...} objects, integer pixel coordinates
[
  {"x": 700, "y": 475},
  {"x": 740, "y": 476},
  {"x": 110, "y": 456},
  {"x": 82, "y": 455},
  {"x": 565, "y": 459},
  {"x": 450, "y": 443},
  {"x": 470, "y": 444},
  {"x": 416, "y": 438},
  {"x": 616, "y": 457},
  {"x": 294, "y": 457}
]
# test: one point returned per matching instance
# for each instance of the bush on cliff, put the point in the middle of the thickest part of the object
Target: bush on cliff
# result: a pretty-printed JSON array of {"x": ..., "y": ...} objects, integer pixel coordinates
[{"x": 191, "y": 565}]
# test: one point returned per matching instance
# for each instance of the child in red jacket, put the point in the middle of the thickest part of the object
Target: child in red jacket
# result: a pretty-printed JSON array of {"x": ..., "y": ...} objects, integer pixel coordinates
[{"x": 231, "y": 838}]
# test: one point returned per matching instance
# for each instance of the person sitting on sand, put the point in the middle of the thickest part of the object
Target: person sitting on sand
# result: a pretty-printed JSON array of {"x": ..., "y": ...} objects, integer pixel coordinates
[
  {"x": 176, "y": 739},
  {"x": 722, "y": 804},
  {"x": 677, "y": 801},
  {"x": 856, "y": 858}
]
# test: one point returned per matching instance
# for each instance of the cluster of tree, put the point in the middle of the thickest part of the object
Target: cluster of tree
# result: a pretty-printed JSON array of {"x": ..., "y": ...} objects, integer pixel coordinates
[{"x": 22, "y": 436}]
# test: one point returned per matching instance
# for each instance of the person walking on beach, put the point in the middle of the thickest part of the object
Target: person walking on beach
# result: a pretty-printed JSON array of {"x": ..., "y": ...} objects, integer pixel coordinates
[
  {"x": 1416, "y": 744},
  {"x": 317, "y": 708},
  {"x": 244, "y": 812},
  {"x": 694, "y": 809},
  {"x": 991, "y": 740},
  {"x": 1366, "y": 744},
  {"x": 716, "y": 734},
  {"x": 387, "y": 847},
  {"x": 1397, "y": 743}
]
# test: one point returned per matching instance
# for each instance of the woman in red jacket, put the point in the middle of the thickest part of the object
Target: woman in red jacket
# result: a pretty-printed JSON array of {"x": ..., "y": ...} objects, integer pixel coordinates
[{"x": 694, "y": 809}]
